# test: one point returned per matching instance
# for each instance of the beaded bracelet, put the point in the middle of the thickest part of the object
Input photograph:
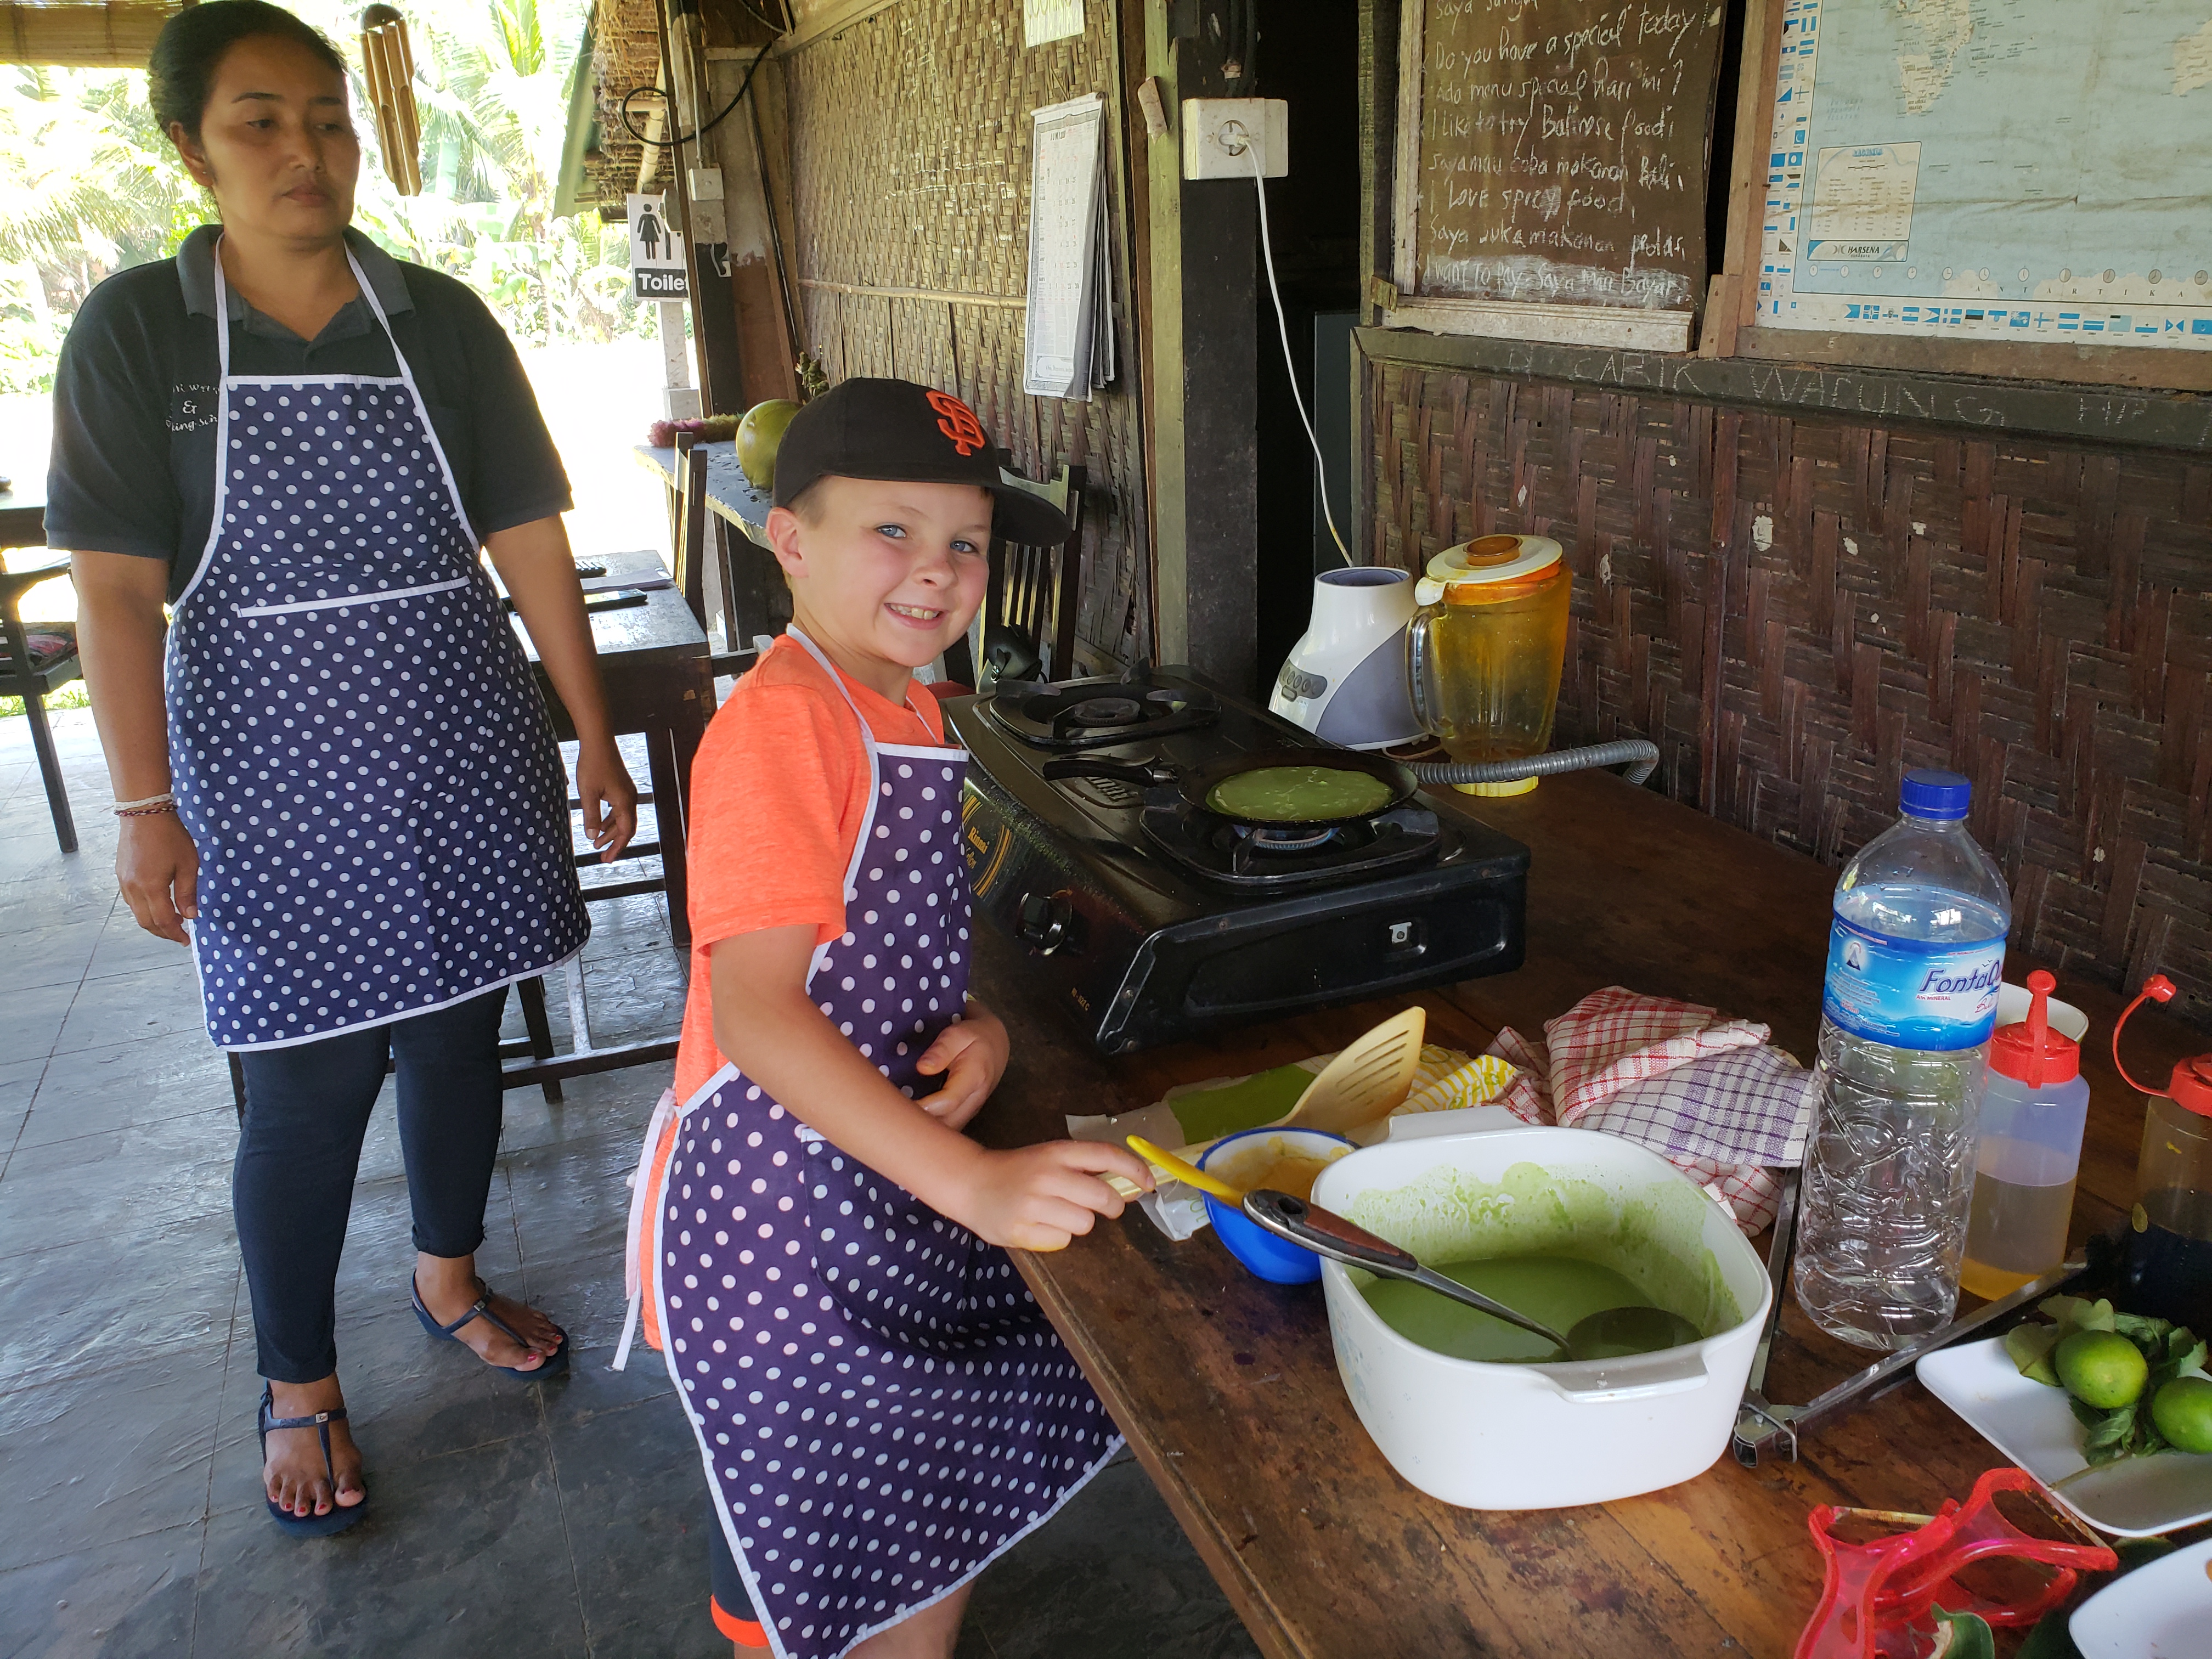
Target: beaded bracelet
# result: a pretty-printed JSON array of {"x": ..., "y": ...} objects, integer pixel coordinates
[{"x": 145, "y": 808}]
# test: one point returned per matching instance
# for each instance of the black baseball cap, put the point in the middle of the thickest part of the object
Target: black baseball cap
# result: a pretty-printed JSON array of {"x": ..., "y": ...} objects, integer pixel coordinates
[{"x": 896, "y": 430}]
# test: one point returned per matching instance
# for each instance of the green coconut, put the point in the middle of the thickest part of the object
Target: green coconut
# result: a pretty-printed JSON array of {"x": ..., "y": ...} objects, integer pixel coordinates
[{"x": 760, "y": 435}]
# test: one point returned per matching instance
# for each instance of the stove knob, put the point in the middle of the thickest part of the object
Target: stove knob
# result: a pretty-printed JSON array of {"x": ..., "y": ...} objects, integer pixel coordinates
[{"x": 1042, "y": 921}]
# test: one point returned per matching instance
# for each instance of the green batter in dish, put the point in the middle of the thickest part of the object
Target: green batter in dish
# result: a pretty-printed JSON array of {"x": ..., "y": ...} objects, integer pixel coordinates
[{"x": 1299, "y": 795}]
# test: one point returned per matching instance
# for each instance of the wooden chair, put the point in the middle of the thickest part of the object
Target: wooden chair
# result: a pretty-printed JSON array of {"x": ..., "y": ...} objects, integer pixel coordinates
[
  {"x": 35, "y": 661},
  {"x": 699, "y": 538},
  {"x": 1029, "y": 611}
]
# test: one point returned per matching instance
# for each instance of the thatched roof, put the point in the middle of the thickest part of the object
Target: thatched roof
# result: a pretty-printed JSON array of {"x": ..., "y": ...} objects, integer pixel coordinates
[
  {"x": 625, "y": 57},
  {"x": 82, "y": 36}
]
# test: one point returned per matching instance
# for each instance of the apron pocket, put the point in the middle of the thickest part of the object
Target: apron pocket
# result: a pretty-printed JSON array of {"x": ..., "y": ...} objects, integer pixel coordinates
[{"x": 377, "y": 597}]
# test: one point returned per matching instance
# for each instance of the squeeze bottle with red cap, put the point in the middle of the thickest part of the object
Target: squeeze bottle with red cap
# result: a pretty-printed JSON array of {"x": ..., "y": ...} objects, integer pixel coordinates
[
  {"x": 2169, "y": 1253},
  {"x": 2034, "y": 1104}
]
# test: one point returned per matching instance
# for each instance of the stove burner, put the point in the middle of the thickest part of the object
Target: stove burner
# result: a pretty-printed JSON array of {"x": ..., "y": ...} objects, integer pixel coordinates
[
  {"x": 1253, "y": 857},
  {"x": 1096, "y": 714},
  {"x": 1285, "y": 841},
  {"x": 1103, "y": 711}
]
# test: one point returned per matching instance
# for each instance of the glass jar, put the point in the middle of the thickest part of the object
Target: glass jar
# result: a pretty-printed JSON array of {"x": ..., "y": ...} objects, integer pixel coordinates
[{"x": 1486, "y": 651}]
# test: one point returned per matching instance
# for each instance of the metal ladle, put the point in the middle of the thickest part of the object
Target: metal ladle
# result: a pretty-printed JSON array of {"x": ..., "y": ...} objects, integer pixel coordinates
[{"x": 1610, "y": 1334}]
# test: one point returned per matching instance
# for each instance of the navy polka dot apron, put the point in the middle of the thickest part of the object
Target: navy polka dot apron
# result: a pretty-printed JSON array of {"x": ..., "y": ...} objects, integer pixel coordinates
[
  {"x": 881, "y": 1407},
  {"x": 358, "y": 747}
]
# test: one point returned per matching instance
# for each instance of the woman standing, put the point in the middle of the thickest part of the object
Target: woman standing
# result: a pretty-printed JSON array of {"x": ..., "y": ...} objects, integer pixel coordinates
[{"x": 342, "y": 774}]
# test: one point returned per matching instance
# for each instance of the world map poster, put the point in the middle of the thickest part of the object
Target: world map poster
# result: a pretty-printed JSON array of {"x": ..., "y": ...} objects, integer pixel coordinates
[{"x": 1993, "y": 169}]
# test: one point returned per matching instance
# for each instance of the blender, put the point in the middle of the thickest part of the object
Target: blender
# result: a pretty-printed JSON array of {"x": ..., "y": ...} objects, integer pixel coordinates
[{"x": 1344, "y": 682}]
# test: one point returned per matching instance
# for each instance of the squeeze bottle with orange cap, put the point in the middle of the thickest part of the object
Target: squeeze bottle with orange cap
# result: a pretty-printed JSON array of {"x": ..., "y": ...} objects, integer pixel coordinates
[
  {"x": 2034, "y": 1104},
  {"x": 2168, "y": 1273}
]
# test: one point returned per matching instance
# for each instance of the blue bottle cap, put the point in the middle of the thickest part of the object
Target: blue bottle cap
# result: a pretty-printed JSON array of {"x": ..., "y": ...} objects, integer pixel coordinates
[{"x": 1940, "y": 795}]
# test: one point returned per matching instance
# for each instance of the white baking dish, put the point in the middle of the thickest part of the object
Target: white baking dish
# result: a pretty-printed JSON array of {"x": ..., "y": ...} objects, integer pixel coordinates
[{"x": 1530, "y": 1436}]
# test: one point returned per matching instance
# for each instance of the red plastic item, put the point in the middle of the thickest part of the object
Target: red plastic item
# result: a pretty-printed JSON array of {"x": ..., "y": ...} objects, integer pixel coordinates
[
  {"x": 1879, "y": 1599},
  {"x": 2029, "y": 1051},
  {"x": 2190, "y": 1085}
]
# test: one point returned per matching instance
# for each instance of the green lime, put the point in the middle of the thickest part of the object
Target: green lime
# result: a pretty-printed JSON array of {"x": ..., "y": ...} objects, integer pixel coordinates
[
  {"x": 759, "y": 436},
  {"x": 2183, "y": 1411},
  {"x": 2100, "y": 1367}
]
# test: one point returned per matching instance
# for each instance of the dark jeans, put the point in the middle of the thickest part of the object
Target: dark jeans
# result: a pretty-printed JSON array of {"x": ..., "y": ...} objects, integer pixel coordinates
[{"x": 307, "y": 1109}]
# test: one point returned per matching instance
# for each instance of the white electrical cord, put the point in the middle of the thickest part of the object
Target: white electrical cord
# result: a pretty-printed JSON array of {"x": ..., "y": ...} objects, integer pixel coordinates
[{"x": 1235, "y": 138}]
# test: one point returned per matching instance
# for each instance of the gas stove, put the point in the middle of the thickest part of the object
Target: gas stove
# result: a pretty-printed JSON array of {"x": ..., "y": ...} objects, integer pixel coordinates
[{"x": 1154, "y": 919}]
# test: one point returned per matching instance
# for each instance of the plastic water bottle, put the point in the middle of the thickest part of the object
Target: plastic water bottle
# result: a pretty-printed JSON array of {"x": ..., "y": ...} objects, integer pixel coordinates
[{"x": 1915, "y": 958}]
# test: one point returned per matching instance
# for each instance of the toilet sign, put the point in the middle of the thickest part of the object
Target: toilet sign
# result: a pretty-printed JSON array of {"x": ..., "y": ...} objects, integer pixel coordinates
[{"x": 656, "y": 251}]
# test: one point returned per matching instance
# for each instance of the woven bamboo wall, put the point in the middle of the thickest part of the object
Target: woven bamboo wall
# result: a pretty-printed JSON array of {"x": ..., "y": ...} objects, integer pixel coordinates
[
  {"x": 1797, "y": 612},
  {"x": 910, "y": 166}
]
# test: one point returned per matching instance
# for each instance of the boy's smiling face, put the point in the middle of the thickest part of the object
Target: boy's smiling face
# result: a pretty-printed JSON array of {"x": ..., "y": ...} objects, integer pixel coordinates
[{"x": 884, "y": 574}]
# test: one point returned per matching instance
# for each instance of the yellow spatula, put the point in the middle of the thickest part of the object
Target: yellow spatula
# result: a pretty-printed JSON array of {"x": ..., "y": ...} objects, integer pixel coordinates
[
  {"x": 1189, "y": 1173},
  {"x": 1367, "y": 1082}
]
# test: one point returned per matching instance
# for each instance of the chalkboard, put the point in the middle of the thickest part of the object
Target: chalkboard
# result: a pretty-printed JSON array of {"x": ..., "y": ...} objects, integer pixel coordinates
[{"x": 1551, "y": 168}]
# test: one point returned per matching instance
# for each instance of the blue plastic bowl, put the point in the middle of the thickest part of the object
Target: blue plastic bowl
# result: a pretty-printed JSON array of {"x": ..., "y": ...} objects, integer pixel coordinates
[{"x": 1275, "y": 1260}]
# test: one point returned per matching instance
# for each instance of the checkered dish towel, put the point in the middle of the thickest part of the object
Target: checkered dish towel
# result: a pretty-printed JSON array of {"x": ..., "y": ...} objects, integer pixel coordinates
[{"x": 1709, "y": 1096}]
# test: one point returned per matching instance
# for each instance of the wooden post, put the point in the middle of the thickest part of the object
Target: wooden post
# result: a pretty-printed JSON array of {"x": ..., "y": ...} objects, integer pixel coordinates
[
  {"x": 765, "y": 337},
  {"x": 1378, "y": 128},
  {"x": 706, "y": 238},
  {"x": 1204, "y": 245}
]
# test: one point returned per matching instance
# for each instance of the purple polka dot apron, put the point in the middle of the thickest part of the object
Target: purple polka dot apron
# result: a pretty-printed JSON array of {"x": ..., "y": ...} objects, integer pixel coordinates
[
  {"x": 881, "y": 1407},
  {"x": 358, "y": 747}
]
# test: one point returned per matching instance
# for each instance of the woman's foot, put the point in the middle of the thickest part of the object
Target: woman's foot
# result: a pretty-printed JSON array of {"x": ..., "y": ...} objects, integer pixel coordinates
[
  {"x": 449, "y": 1287},
  {"x": 292, "y": 1466}
]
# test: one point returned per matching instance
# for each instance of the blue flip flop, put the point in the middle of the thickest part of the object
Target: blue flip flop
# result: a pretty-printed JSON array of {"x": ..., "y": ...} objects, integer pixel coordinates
[
  {"x": 556, "y": 1363},
  {"x": 341, "y": 1516}
]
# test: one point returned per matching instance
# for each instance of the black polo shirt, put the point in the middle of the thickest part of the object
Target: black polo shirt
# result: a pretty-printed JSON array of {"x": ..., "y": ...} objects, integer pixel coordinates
[{"x": 134, "y": 456}]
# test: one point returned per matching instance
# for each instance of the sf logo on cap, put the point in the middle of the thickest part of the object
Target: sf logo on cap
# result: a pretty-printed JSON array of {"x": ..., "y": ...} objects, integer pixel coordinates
[{"x": 957, "y": 422}]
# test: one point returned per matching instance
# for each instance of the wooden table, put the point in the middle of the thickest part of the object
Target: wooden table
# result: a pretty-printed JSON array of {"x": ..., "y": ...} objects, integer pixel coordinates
[
  {"x": 729, "y": 495},
  {"x": 1226, "y": 1386},
  {"x": 23, "y": 514},
  {"x": 653, "y": 657}
]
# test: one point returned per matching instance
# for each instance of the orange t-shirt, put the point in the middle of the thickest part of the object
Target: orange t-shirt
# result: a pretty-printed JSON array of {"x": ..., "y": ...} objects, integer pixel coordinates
[{"x": 778, "y": 792}]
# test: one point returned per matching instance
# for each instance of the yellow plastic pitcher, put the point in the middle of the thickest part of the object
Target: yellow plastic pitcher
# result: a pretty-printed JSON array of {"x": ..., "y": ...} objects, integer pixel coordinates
[{"x": 1485, "y": 651}]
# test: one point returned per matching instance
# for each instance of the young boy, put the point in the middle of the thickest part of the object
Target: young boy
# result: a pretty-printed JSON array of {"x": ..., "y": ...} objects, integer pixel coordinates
[{"x": 881, "y": 1407}]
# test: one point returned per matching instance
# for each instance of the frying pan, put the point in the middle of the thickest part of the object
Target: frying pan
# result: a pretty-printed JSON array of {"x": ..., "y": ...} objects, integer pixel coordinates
[{"x": 1195, "y": 784}]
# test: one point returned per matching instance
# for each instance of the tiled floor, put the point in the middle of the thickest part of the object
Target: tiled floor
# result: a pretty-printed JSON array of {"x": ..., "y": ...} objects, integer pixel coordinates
[{"x": 510, "y": 1518}]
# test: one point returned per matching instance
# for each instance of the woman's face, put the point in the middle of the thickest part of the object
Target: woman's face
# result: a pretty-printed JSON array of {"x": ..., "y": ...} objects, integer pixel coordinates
[{"x": 277, "y": 143}]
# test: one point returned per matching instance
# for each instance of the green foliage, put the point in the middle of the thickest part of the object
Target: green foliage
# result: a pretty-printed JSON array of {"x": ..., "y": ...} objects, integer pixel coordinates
[
  {"x": 67, "y": 697},
  {"x": 1962, "y": 1635},
  {"x": 88, "y": 187}
]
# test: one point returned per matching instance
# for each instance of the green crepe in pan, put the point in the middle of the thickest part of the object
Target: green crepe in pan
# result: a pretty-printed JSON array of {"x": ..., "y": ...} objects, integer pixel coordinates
[{"x": 1299, "y": 795}]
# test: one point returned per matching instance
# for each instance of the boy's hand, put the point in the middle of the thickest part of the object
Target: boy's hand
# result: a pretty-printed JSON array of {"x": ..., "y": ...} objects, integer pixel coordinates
[
  {"x": 973, "y": 1057},
  {"x": 1037, "y": 1198}
]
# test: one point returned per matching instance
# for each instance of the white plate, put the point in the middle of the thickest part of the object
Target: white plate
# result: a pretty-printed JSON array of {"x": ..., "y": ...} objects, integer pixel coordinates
[
  {"x": 2157, "y": 1612},
  {"x": 2031, "y": 1423}
]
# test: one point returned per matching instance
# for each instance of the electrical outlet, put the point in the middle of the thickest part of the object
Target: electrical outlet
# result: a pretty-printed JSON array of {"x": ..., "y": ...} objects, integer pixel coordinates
[{"x": 1218, "y": 133}]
